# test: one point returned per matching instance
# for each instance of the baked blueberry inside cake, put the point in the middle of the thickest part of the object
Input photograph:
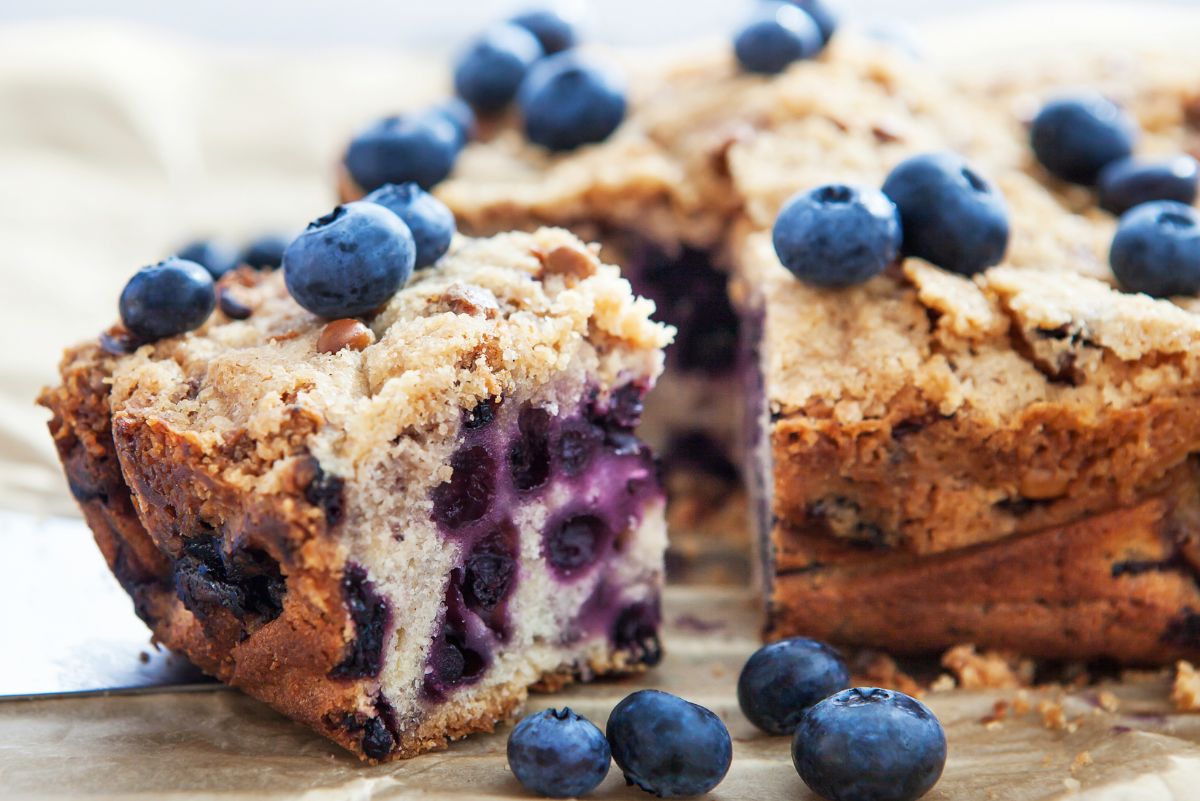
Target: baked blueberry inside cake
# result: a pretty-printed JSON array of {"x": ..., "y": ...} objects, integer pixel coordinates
[{"x": 388, "y": 527}]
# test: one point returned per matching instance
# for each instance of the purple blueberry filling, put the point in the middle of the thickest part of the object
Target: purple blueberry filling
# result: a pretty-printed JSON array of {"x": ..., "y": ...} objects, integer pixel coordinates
[
  {"x": 690, "y": 293},
  {"x": 576, "y": 543},
  {"x": 246, "y": 583},
  {"x": 512, "y": 456},
  {"x": 325, "y": 491},
  {"x": 371, "y": 616},
  {"x": 466, "y": 496},
  {"x": 636, "y": 630}
]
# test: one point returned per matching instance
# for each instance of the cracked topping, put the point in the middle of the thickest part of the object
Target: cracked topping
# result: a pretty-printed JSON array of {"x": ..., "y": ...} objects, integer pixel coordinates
[{"x": 486, "y": 320}]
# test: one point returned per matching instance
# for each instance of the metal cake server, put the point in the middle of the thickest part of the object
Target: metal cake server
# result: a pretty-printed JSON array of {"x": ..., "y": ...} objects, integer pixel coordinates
[{"x": 66, "y": 626}]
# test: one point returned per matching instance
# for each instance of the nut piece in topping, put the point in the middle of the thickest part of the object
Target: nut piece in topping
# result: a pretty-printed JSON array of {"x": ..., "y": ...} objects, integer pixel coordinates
[
  {"x": 470, "y": 299},
  {"x": 344, "y": 333},
  {"x": 565, "y": 260}
]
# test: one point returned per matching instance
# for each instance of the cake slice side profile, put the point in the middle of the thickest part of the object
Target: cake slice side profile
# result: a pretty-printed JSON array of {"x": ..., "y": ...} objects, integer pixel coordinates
[{"x": 391, "y": 534}]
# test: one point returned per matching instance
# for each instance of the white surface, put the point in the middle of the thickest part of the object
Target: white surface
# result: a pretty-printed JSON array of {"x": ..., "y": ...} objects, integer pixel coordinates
[{"x": 422, "y": 25}]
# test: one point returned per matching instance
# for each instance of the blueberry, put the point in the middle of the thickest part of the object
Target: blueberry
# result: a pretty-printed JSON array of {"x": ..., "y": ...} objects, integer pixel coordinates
[
  {"x": 488, "y": 574},
  {"x": 783, "y": 679},
  {"x": 458, "y": 113},
  {"x": 1077, "y": 137},
  {"x": 265, "y": 253},
  {"x": 776, "y": 35},
  {"x": 950, "y": 215},
  {"x": 349, "y": 262},
  {"x": 166, "y": 299},
  {"x": 837, "y": 235},
  {"x": 554, "y": 32},
  {"x": 668, "y": 746},
  {"x": 1131, "y": 182},
  {"x": 395, "y": 150},
  {"x": 492, "y": 67},
  {"x": 558, "y": 754},
  {"x": 429, "y": 219},
  {"x": 467, "y": 495},
  {"x": 529, "y": 453},
  {"x": 576, "y": 542},
  {"x": 212, "y": 256},
  {"x": 570, "y": 100},
  {"x": 867, "y": 744},
  {"x": 1156, "y": 249},
  {"x": 821, "y": 13},
  {"x": 577, "y": 442}
]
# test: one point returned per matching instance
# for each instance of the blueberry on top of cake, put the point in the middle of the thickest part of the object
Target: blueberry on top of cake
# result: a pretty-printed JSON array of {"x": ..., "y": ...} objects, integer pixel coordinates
[{"x": 389, "y": 525}]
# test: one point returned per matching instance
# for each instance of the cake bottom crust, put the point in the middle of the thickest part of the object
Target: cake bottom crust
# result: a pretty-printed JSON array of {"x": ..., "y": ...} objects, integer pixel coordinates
[{"x": 1121, "y": 585}]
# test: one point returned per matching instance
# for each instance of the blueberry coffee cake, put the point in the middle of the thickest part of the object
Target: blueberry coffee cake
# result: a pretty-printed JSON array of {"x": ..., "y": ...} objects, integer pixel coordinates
[
  {"x": 962, "y": 422},
  {"x": 385, "y": 502}
]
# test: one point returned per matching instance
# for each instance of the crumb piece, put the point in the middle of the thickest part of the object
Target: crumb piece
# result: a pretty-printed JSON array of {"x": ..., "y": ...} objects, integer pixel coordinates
[
  {"x": 1021, "y": 703},
  {"x": 1185, "y": 693},
  {"x": 990, "y": 670},
  {"x": 1108, "y": 702},
  {"x": 470, "y": 299},
  {"x": 1053, "y": 717},
  {"x": 999, "y": 713},
  {"x": 943, "y": 683},
  {"x": 1072, "y": 784},
  {"x": 879, "y": 669},
  {"x": 566, "y": 260},
  {"x": 144, "y": 657},
  {"x": 992, "y": 725}
]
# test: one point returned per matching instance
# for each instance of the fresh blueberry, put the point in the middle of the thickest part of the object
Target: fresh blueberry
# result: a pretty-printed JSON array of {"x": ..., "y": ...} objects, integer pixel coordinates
[
  {"x": 429, "y": 219},
  {"x": 867, "y": 744},
  {"x": 837, "y": 235},
  {"x": 349, "y": 262},
  {"x": 1077, "y": 137},
  {"x": 554, "y": 32},
  {"x": 776, "y": 35},
  {"x": 949, "y": 214},
  {"x": 1156, "y": 249},
  {"x": 557, "y": 753},
  {"x": 459, "y": 114},
  {"x": 211, "y": 255},
  {"x": 821, "y": 13},
  {"x": 493, "y": 66},
  {"x": 395, "y": 150},
  {"x": 668, "y": 746},
  {"x": 166, "y": 299},
  {"x": 783, "y": 679},
  {"x": 1131, "y": 182},
  {"x": 570, "y": 100},
  {"x": 265, "y": 253}
]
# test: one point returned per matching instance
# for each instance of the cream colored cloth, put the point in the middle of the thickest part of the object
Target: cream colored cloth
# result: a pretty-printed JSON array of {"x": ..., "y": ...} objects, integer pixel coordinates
[{"x": 116, "y": 146}]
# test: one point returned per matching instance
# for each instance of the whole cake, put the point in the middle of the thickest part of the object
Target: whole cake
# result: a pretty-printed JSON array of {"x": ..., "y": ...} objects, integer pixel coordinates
[
  {"x": 932, "y": 458},
  {"x": 390, "y": 527}
]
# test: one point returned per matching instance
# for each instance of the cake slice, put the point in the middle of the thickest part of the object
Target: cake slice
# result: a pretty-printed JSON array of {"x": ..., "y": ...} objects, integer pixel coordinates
[
  {"x": 387, "y": 532},
  {"x": 931, "y": 459}
]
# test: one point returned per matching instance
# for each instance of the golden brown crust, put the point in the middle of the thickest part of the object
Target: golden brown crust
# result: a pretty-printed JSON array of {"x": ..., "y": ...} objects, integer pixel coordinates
[{"x": 1118, "y": 585}]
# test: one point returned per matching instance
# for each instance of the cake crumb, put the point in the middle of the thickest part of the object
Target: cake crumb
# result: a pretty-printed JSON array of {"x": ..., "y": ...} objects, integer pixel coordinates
[
  {"x": 1108, "y": 702},
  {"x": 999, "y": 712},
  {"x": 991, "y": 670},
  {"x": 1053, "y": 717},
  {"x": 943, "y": 683},
  {"x": 879, "y": 669},
  {"x": 1081, "y": 761},
  {"x": 1021, "y": 703},
  {"x": 1072, "y": 784},
  {"x": 1185, "y": 693}
]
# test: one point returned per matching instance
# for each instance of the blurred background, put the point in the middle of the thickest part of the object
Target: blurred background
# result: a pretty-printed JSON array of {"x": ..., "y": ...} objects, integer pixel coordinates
[{"x": 128, "y": 127}]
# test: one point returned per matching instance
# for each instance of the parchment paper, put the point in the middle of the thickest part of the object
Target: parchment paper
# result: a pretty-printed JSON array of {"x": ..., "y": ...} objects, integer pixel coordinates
[{"x": 117, "y": 145}]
